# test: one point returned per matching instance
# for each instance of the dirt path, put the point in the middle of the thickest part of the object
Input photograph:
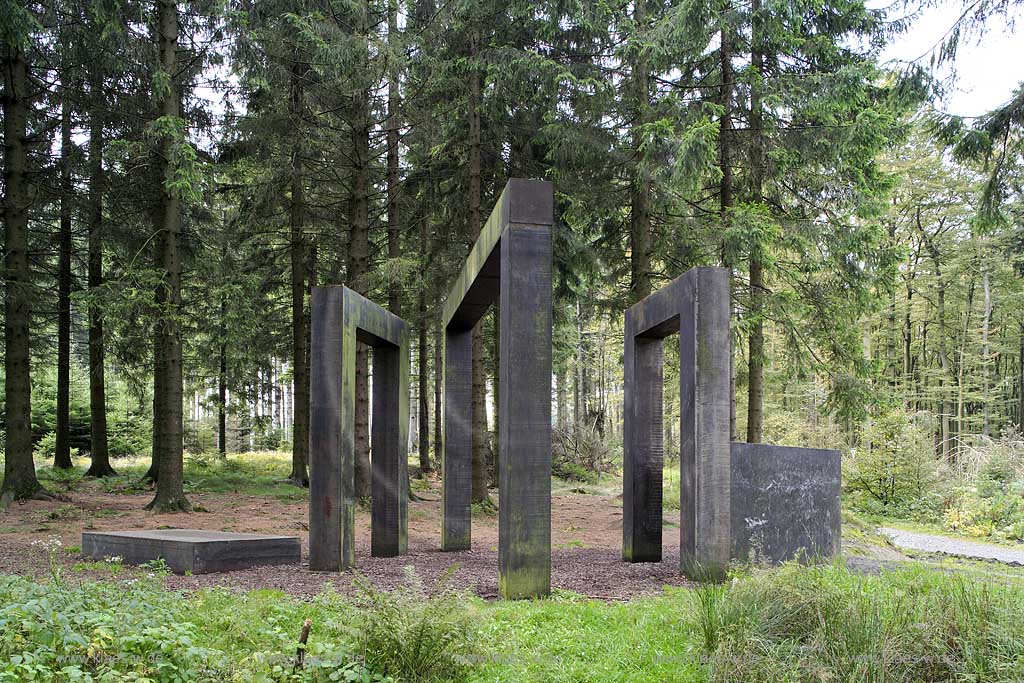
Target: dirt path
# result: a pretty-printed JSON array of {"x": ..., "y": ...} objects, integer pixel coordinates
[
  {"x": 931, "y": 543},
  {"x": 586, "y": 534}
]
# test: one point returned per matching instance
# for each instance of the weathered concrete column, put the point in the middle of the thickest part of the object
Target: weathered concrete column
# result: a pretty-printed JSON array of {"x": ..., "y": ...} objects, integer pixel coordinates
[
  {"x": 332, "y": 401},
  {"x": 389, "y": 464},
  {"x": 644, "y": 459},
  {"x": 340, "y": 318},
  {"x": 704, "y": 387},
  {"x": 457, "y": 465},
  {"x": 524, "y": 477},
  {"x": 696, "y": 305},
  {"x": 512, "y": 257}
]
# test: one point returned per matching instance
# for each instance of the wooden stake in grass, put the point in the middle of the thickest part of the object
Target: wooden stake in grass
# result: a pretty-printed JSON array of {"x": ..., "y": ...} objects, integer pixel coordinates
[{"x": 300, "y": 652}]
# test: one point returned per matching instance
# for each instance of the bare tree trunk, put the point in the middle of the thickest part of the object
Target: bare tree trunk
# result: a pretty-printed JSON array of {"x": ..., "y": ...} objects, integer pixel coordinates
[
  {"x": 299, "y": 255},
  {"x": 725, "y": 186},
  {"x": 394, "y": 235},
  {"x": 424, "y": 405},
  {"x": 640, "y": 186},
  {"x": 222, "y": 385},
  {"x": 1020, "y": 381},
  {"x": 986, "y": 322},
  {"x": 479, "y": 390},
  {"x": 945, "y": 445},
  {"x": 755, "y": 343},
  {"x": 99, "y": 455},
  {"x": 170, "y": 494},
  {"x": 562, "y": 398},
  {"x": 961, "y": 363},
  {"x": 358, "y": 267},
  {"x": 439, "y": 381},
  {"x": 20, "y": 480},
  {"x": 62, "y": 449}
]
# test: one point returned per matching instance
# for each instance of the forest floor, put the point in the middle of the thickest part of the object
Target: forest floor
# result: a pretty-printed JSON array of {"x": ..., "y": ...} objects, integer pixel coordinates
[
  {"x": 243, "y": 496},
  {"x": 248, "y": 494}
]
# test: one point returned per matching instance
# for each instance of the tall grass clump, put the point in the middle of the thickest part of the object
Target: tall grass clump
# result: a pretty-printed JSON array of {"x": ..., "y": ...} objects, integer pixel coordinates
[
  {"x": 826, "y": 624},
  {"x": 412, "y": 634}
]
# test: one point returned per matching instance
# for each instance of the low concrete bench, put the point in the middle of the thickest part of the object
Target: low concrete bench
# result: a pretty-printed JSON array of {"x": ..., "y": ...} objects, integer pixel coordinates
[{"x": 192, "y": 550}]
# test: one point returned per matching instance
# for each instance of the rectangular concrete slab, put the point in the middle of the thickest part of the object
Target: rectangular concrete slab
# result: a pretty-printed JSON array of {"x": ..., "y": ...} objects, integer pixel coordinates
[
  {"x": 784, "y": 503},
  {"x": 192, "y": 550}
]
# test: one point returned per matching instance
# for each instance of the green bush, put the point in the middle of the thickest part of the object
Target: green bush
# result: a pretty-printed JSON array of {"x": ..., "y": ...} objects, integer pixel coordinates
[
  {"x": 414, "y": 635},
  {"x": 96, "y": 632},
  {"x": 895, "y": 471},
  {"x": 989, "y": 500}
]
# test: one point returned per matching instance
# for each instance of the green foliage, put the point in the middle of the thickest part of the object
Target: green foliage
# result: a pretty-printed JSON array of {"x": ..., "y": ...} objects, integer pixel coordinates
[
  {"x": 97, "y": 632},
  {"x": 795, "y": 624},
  {"x": 825, "y": 623},
  {"x": 414, "y": 635},
  {"x": 989, "y": 498},
  {"x": 894, "y": 471}
]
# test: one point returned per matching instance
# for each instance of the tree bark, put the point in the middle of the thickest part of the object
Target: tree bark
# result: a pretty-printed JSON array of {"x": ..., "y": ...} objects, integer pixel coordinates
[
  {"x": 422, "y": 387},
  {"x": 480, "y": 433},
  {"x": 640, "y": 189},
  {"x": 945, "y": 446},
  {"x": 986, "y": 322},
  {"x": 20, "y": 482},
  {"x": 99, "y": 455},
  {"x": 170, "y": 494},
  {"x": 755, "y": 346},
  {"x": 62, "y": 449},
  {"x": 298, "y": 255},
  {"x": 394, "y": 234},
  {"x": 358, "y": 268},
  {"x": 725, "y": 186},
  {"x": 1020, "y": 381}
]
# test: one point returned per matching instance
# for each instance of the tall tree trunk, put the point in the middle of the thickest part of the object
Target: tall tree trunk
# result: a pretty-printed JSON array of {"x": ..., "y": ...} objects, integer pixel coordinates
[
  {"x": 755, "y": 345},
  {"x": 1020, "y": 381},
  {"x": 222, "y": 384},
  {"x": 640, "y": 188},
  {"x": 20, "y": 480},
  {"x": 910, "y": 387},
  {"x": 394, "y": 234},
  {"x": 62, "y": 449},
  {"x": 299, "y": 255},
  {"x": 562, "y": 398},
  {"x": 479, "y": 389},
  {"x": 439, "y": 381},
  {"x": 423, "y": 387},
  {"x": 945, "y": 439},
  {"x": 170, "y": 494},
  {"x": 961, "y": 363},
  {"x": 99, "y": 455},
  {"x": 358, "y": 268},
  {"x": 986, "y": 322},
  {"x": 725, "y": 185}
]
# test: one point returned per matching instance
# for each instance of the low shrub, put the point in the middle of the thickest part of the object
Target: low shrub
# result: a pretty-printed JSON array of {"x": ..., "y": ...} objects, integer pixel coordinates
[
  {"x": 894, "y": 472},
  {"x": 414, "y": 635}
]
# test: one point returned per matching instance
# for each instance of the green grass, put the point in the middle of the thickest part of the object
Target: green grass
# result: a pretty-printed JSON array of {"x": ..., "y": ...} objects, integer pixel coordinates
[
  {"x": 256, "y": 474},
  {"x": 790, "y": 624}
]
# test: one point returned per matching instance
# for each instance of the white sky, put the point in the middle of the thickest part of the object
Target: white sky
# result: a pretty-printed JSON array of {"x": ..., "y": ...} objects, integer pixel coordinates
[{"x": 987, "y": 70}]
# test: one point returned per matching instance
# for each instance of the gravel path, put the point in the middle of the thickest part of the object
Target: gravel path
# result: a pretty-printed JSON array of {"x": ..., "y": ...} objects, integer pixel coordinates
[{"x": 931, "y": 543}]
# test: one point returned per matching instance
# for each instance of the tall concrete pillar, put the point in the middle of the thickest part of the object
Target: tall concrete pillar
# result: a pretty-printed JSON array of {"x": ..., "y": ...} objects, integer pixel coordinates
[
  {"x": 696, "y": 306},
  {"x": 340, "y": 318},
  {"x": 511, "y": 259}
]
